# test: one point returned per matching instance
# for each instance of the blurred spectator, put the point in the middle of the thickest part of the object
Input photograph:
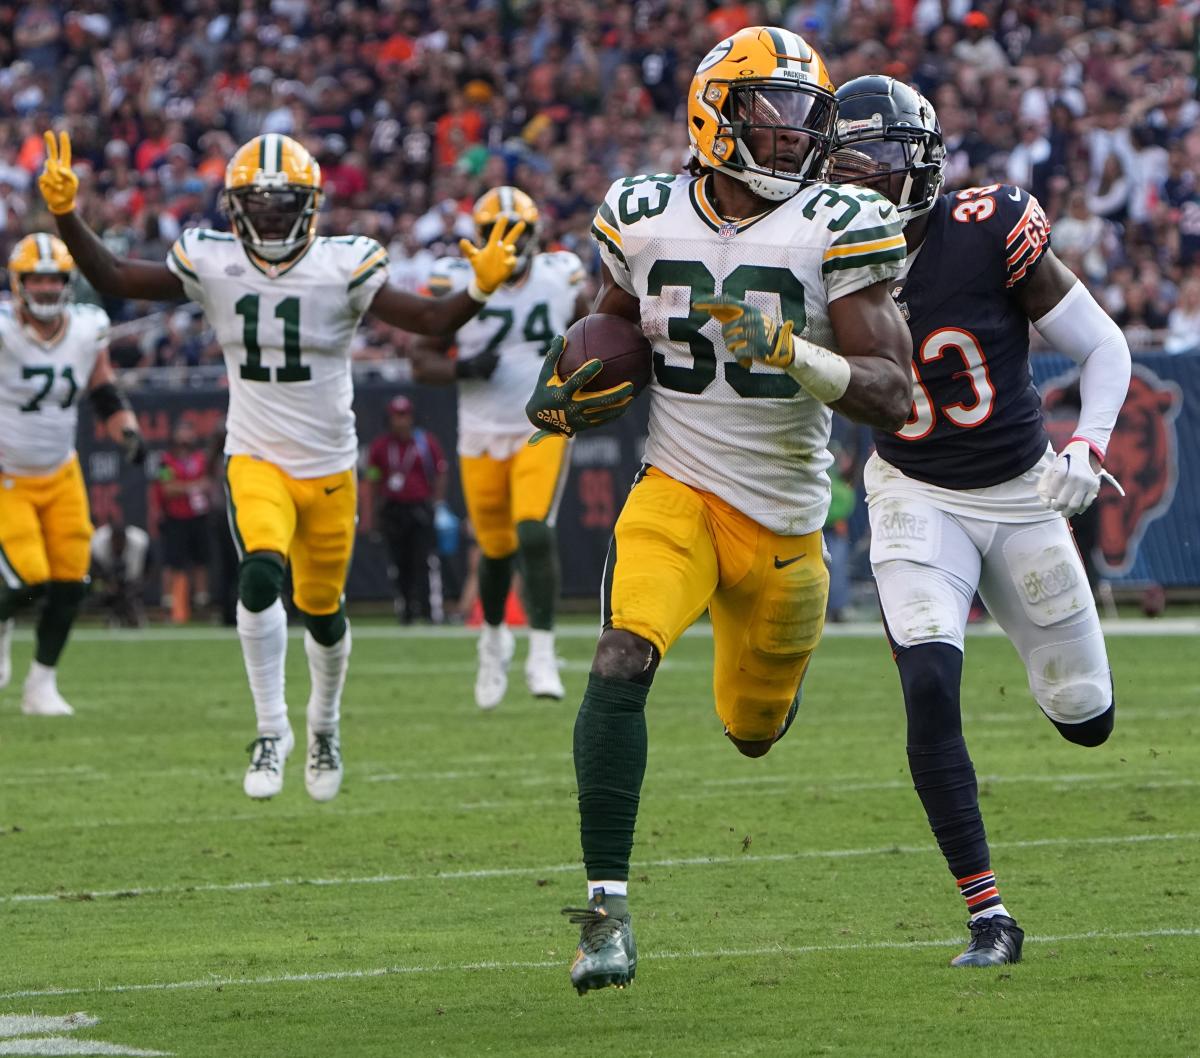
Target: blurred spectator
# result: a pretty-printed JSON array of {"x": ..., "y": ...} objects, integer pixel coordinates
[
  {"x": 224, "y": 572},
  {"x": 1183, "y": 324},
  {"x": 185, "y": 484},
  {"x": 837, "y": 533},
  {"x": 406, "y": 481},
  {"x": 119, "y": 556}
]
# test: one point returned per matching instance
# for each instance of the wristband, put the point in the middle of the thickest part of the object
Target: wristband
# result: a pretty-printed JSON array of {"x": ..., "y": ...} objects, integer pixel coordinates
[
  {"x": 823, "y": 373},
  {"x": 476, "y": 292}
]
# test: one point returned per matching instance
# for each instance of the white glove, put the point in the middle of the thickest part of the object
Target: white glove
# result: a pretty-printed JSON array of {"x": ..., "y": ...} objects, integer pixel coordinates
[{"x": 1069, "y": 484}]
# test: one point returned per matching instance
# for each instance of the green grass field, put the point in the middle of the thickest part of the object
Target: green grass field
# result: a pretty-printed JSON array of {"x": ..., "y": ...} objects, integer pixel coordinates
[{"x": 794, "y": 905}]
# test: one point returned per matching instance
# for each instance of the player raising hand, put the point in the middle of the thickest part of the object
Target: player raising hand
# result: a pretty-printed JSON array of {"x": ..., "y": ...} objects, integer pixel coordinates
[{"x": 284, "y": 303}]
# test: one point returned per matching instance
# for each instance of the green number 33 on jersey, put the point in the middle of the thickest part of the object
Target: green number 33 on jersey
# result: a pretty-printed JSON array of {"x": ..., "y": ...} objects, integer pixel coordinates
[{"x": 288, "y": 310}]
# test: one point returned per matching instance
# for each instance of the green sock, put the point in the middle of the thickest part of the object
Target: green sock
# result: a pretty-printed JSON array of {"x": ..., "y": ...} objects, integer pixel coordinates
[
  {"x": 610, "y": 762},
  {"x": 63, "y": 599},
  {"x": 495, "y": 578},
  {"x": 539, "y": 564}
]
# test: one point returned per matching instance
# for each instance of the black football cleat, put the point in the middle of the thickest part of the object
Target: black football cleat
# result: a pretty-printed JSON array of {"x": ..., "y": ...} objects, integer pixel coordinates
[{"x": 995, "y": 940}]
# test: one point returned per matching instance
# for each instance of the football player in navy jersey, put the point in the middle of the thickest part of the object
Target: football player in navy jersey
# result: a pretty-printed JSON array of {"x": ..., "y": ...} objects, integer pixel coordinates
[{"x": 969, "y": 495}]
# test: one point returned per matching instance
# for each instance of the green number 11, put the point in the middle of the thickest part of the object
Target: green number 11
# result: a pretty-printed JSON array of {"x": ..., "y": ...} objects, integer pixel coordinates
[{"x": 287, "y": 310}]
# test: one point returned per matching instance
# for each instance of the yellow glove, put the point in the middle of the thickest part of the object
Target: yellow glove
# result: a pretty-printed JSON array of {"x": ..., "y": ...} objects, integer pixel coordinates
[
  {"x": 749, "y": 333},
  {"x": 58, "y": 184},
  {"x": 495, "y": 261}
]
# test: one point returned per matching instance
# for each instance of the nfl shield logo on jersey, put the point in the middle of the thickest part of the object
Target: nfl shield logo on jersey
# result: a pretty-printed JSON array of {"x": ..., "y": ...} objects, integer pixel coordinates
[{"x": 727, "y": 231}]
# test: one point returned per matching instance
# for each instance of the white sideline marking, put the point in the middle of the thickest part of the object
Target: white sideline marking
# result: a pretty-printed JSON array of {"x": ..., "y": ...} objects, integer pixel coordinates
[
  {"x": 565, "y": 868},
  {"x": 24, "y": 1025},
  {"x": 1169, "y": 626},
  {"x": 718, "y": 953}
]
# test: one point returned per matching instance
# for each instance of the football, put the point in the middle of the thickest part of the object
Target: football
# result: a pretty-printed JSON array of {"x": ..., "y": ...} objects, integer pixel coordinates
[{"x": 619, "y": 344}]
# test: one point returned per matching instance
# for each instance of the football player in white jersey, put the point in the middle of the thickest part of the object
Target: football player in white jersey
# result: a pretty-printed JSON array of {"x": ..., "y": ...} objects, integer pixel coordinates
[
  {"x": 284, "y": 303},
  {"x": 746, "y": 276},
  {"x": 512, "y": 489},
  {"x": 51, "y": 353}
]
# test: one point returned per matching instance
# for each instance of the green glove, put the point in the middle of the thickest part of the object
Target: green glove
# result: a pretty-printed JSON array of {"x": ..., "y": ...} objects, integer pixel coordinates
[
  {"x": 562, "y": 406},
  {"x": 749, "y": 333}
]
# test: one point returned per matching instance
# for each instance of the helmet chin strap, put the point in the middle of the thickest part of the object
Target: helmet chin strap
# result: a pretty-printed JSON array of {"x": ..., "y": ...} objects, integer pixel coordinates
[{"x": 772, "y": 188}]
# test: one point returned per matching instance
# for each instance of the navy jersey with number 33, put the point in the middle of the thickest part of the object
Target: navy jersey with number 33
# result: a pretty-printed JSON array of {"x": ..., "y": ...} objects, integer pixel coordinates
[{"x": 976, "y": 418}]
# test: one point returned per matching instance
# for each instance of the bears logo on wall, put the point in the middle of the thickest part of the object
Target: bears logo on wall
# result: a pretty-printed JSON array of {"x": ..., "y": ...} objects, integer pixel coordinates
[{"x": 1142, "y": 455}]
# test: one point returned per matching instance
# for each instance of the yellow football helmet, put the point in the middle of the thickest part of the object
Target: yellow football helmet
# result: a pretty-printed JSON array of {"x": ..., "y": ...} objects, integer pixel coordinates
[
  {"x": 273, "y": 195},
  {"x": 513, "y": 204},
  {"x": 41, "y": 254},
  {"x": 766, "y": 90}
]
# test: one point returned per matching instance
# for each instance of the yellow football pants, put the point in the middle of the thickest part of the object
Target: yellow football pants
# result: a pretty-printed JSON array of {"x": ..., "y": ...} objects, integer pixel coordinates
[
  {"x": 309, "y": 520},
  {"x": 45, "y": 528},
  {"x": 679, "y": 552},
  {"x": 526, "y": 487}
]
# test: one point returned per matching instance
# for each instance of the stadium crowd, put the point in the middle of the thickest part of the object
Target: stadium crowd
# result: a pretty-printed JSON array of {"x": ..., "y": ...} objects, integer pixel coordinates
[{"x": 414, "y": 108}]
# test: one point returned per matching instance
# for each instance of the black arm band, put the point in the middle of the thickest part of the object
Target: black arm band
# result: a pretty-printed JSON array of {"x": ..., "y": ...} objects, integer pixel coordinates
[{"x": 107, "y": 400}]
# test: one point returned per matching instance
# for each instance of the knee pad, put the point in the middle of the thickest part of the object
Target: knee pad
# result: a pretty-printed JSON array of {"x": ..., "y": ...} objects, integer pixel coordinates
[
  {"x": 328, "y": 628},
  {"x": 260, "y": 581},
  {"x": 535, "y": 540},
  {"x": 930, "y": 675},
  {"x": 1089, "y": 733},
  {"x": 624, "y": 656}
]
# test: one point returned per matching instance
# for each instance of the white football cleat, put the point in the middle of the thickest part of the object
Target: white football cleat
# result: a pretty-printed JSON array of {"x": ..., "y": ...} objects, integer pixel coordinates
[
  {"x": 496, "y": 645},
  {"x": 323, "y": 769},
  {"x": 40, "y": 696},
  {"x": 6, "y": 630},
  {"x": 541, "y": 666},
  {"x": 268, "y": 753}
]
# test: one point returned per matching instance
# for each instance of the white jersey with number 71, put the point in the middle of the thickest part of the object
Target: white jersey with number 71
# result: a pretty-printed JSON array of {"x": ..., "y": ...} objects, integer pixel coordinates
[{"x": 285, "y": 332}]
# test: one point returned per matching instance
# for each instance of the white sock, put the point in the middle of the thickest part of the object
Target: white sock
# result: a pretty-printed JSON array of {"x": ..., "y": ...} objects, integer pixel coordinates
[
  {"x": 264, "y": 648},
  {"x": 611, "y": 888},
  {"x": 999, "y": 909},
  {"x": 41, "y": 676},
  {"x": 541, "y": 641},
  {"x": 491, "y": 633},
  {"x": 327, "y": 667}
]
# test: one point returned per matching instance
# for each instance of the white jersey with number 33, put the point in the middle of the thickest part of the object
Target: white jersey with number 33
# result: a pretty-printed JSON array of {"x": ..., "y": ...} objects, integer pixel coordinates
[
  {"x": 750, "y": 435},
  {"x": 286, "y": 337}
]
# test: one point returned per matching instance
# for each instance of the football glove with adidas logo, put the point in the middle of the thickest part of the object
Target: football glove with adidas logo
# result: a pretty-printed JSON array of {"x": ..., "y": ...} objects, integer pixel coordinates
[{"x": 562, "y": 406}]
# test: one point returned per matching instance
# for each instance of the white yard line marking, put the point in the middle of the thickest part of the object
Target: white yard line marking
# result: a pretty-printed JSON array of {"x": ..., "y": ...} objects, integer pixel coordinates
[
  {"x": 1166, "y": 627},
  {"x": 59, "y": 1045},
  {"x": 25, "y": 1034},
  {"x": 28, "y": 1024},
  {"x": 483, "y": 873},
  {"x": 545, "y": 964}
]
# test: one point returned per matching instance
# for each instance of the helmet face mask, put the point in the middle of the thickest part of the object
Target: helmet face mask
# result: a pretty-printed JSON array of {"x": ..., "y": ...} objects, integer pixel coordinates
[
  {"x": 889, "y": 140},
  {"x": 273, "y": 197},
  {"x": 761, "y": 110},
  {"x": 47, "y": 258}
]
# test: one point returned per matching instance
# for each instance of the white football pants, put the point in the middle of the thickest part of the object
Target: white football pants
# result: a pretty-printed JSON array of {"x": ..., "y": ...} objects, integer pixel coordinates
[{"x": 933, "y": 548}]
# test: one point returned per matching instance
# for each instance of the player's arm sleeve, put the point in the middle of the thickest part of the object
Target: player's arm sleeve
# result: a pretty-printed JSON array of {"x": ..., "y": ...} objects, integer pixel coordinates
[
  {"x": 1021, "y": 222},
  {"x": 1079, "y": 328},
  {"x": 368, "y": 272},
  {"x": 181, "y": 264},
  {"x": 869, "y": 249},
  {"x": 573, "y": 268},
  {"x": 609, "y": 240}
]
